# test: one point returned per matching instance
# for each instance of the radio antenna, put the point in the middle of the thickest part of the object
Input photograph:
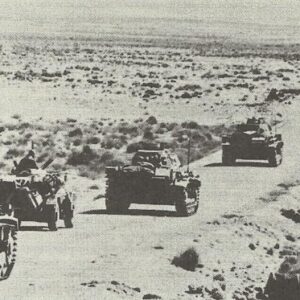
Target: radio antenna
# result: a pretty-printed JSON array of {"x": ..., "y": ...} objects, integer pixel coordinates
[{"x": 189, "y": 154}]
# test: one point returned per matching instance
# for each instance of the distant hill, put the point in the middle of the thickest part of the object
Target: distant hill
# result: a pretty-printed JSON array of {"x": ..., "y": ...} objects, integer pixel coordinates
[{"x": 264, "y": 20}]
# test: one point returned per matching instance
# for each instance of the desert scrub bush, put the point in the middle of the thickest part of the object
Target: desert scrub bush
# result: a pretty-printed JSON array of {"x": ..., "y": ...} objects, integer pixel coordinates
[
  {"x": 106, "y": 156},
  {"x": 13, "y": 153},
  {"x": 190, "y": 87},
  {"x": 219, "y": 130},
  {"x": 71, "y": 120},
  {"x": 57, "y": 167},
  {"x": 23, "y": 141},
  {"x": 45, "y": 73},
  {"x": 61, "y": 154},
  {"x": 93, "y": 140},
  {"x": 171, "y": 126},
  {"x": 161, "y": 128},
  {"x": 42, "y": 157},
  {"x": 178, "y": 132},
  {"x": 85, "y": 171},
  {"x": 197, "y": 136},
  {"x": 11, "y": 126},
  {"x": 190, "y": 125},
  {"x": 83, "y": 157},
  {"x": 148, "y": 134},
  {"x": 7, "y": 142},
  {"x": 28, "y": 135},
  {"x": 128, "y": 129},
  {"x": 24, "y": 125},
  {"x": 77, "y": 142},
  {"x": 195, "y": 154},
  {"x": 16, "y": 116},
  {"x": 151, "y": 85},
  {"x": 114, "y": 141},
  {"x": 109, "y": 159},
  {"x": 75, "y": 132},
  {"x": 98, "y": 165},
  {"x": 187, "y": 260},
  {"x": 291, "y": 265},
  {"x": 146, "y": 145},
  {"x": 151, "y": 120},
  {"x": 48, "y": 142}
]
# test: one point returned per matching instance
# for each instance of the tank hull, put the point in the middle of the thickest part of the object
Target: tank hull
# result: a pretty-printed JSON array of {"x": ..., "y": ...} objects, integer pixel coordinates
[
  {"x": 252, "y": 147},
  {"x": 142, "y": 187}
]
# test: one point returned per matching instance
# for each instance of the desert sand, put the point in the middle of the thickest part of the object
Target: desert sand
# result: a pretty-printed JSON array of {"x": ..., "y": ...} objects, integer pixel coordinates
[{"x": 65, "y": 87}]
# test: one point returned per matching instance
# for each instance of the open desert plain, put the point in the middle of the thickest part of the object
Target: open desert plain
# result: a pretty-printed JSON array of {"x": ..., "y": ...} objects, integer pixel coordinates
[{"x": 90, "y": 82}]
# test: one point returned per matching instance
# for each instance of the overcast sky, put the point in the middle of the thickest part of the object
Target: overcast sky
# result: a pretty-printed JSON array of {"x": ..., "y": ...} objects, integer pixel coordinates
[{"x": 80, "y": 15}]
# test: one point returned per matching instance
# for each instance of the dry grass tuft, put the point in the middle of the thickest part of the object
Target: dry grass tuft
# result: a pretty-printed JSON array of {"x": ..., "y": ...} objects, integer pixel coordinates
[{"x": 187, "y": 260}]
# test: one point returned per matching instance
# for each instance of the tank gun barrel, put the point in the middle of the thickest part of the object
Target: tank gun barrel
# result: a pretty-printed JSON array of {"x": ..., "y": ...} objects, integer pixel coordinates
[{"x": 47, "y": 163}]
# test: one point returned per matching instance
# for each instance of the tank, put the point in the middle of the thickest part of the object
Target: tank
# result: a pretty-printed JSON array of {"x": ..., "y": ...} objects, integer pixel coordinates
[
  {"x": 253, "y": 140},
  {"x": 8, "y": 240},
  {"x": 39, "y": 196},
  {"x": 154, "y": 177}
]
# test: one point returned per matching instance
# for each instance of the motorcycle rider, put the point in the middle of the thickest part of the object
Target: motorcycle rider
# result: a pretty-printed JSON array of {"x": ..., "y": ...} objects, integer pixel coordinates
[{"x": 27, "y": 163}]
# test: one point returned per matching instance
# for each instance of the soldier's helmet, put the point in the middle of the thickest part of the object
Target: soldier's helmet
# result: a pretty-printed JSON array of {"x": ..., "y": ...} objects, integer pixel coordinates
[
  {"x": 252, "y": 121},
  {"x": 31, "y": 154}
]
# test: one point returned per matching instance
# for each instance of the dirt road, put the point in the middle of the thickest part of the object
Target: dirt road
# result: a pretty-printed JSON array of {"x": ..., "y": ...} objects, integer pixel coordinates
[{"x": 116, "y": 257}]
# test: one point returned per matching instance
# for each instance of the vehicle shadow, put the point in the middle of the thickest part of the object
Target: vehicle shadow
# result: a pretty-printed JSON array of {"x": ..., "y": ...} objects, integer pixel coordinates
[
  {"x": 38, "y": 228},
  {"x": 133, "y": 212},
  {"x": 33, "y": 228},
  {"x": 241, "y": 164}
]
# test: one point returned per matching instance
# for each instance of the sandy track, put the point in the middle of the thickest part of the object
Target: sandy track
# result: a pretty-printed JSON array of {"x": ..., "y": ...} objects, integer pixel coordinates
[{"x": 103, "y": 248}]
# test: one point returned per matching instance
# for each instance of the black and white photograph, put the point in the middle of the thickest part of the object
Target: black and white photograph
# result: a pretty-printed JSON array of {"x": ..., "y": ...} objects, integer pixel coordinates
[{"x": 150, "y": 149}]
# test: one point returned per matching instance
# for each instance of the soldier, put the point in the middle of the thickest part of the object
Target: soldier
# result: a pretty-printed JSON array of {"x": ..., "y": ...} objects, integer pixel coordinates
[{"x": 27, "y": 163}]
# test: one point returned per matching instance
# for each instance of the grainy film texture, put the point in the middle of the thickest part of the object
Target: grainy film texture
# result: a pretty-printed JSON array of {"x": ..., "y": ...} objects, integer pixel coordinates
[{"x": 149, "y": 149}]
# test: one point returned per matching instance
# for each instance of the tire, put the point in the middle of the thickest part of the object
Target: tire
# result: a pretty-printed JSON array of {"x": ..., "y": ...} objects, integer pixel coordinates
[
  {"x": 68, "y": 222},
  {"x": 275, "y": 157},
  {"x": 8, "y": 241},
  {"x": 67, "y": 213},
  {"x": 185, "y": 204},
  {"x": 52, "y": 219},
  {"x": 228, "y": 158}
]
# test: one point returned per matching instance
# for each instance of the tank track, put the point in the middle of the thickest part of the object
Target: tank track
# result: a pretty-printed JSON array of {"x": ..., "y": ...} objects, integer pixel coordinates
[
  {"x": 8, "y": 249},
  {"x": 185, "y": 204}
]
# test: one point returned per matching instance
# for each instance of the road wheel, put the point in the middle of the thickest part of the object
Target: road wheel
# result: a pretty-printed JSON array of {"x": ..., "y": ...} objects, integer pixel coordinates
[
  {"x": 275, "y": 157},
  {"x": 228, "y": 158},
  {"x": 52, "y": 219},
  {"x": 186, "y": 202}
]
